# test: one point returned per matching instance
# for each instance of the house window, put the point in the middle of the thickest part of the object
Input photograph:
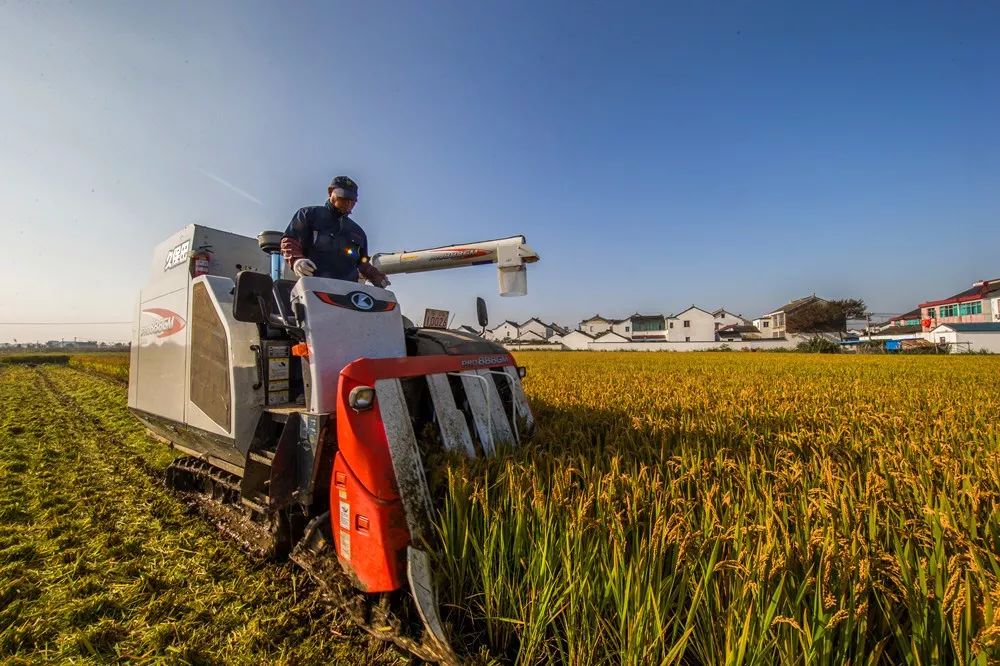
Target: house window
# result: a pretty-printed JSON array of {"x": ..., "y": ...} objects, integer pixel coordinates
[
  {"x": 626, "y": 329},
  {"x": 973, "y": 308},
  {"x": 718, "y": 325},
  {"x": 949, "y": 311},
  {"x": 687, "y": 323},
  {"x": 930, "y": 313},
  {"x": 687, "y": 339},
  {"x": 766, "y": 324},
  {"x": 671, "y": 324}
]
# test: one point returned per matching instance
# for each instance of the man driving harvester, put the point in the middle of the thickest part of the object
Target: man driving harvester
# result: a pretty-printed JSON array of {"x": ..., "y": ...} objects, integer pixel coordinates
[{"x": 323, "y": 241}]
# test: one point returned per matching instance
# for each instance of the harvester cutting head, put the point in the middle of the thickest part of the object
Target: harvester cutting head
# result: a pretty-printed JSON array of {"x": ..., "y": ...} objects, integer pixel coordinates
[{"x": 310, "y": 410}]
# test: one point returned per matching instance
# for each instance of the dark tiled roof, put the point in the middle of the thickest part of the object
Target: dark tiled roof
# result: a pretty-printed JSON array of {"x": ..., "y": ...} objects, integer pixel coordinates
[
  {"x": 691, "y": 307},
  {"x": 739, "y": 328},
  {"x": 900, "y": 330},
  {"x": 797, "y": 303},
  {"x": 976, "y": 327},
  {"x": 912, "y": 314}
]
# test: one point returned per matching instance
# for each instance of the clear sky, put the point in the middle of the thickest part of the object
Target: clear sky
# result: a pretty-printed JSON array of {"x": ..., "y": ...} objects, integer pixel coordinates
[{"x": 735, "y": 154}]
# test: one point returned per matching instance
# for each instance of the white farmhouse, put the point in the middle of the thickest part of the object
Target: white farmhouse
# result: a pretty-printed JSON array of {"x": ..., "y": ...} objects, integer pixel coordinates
[
  {"x": 622, "y": 327},
  {"x": 642, "y": 328},
  {"x": 595, "y": 325},
  {"x": 724, "y": 318},
  {"x": 691, "y": 325},
  {"x": 576, "y": 340},
  {"x": 974, "y": 336},
  {"x": 610, "y": 336},
  {"x": 505, "y": 332},
  {"x": 536, "y": 326},
  {"x": 531, "y": 336}
]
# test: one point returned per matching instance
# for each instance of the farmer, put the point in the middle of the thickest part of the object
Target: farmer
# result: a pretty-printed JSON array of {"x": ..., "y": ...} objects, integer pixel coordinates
[{"x": 322, "y": 241}]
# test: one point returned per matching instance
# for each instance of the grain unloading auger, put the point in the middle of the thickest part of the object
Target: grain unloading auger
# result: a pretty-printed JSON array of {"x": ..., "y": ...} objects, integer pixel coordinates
[{"x": 307, "y": 410}]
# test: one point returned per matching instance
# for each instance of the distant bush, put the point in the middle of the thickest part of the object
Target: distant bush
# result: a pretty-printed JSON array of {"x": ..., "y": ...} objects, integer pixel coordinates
[
  {"x": 33, "y": 359},
  {"x": 818, "y": 345}
]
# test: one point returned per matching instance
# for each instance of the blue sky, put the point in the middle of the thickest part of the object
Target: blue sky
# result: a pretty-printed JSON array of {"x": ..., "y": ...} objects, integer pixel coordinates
[{"x": 725, "y": 154}]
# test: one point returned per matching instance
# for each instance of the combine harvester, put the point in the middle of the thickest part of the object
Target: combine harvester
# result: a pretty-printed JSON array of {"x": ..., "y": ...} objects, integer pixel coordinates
[{"x": 307, "y": 410}]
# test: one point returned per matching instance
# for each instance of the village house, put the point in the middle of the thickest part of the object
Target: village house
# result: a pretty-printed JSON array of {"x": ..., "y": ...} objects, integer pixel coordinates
[
  {"x": 776, "y": 323},
  {"x": 691, "y": 325},
  {"x": 723, "y": 318},
  {"x": 575, "y": 340},
  {"x": 642, "y": 328},
  {"x": 980, "y": 303},
  {"x": 595, "y": 325},
  {"x": 504, "y": 332},
  {"x": 969, "y": 336}
]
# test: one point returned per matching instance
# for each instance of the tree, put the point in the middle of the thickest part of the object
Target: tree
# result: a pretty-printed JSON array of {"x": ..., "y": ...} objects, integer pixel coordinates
[
  {"x": 825, "y": 316},
  {"x": 854, "y": 308}
]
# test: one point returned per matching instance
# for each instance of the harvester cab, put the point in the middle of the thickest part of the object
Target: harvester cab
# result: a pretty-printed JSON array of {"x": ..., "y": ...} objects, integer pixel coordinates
[{"x": 307, "y": 410}]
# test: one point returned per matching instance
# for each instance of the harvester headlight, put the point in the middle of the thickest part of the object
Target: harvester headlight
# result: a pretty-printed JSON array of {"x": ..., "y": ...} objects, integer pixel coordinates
[
  {"x": 361, "y": 398},
  {"x": 522, "y": 371}
]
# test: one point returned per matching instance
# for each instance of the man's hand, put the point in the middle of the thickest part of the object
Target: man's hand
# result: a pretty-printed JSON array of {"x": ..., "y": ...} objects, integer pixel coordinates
[
  {"x": 373, "y": 275},
  {"x": 303, "y": 267}
]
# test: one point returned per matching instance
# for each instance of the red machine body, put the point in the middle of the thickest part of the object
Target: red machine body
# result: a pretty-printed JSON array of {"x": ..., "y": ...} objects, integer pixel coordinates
[{"x": 367, "y": 515}]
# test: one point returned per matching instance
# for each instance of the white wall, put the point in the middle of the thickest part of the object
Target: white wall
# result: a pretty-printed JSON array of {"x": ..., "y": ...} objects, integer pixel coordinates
[{"x": 988, "y": 341}]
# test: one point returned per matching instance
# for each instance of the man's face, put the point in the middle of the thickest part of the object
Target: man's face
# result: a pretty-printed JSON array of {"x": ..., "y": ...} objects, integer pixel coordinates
[{"x": 345, "y": 206}]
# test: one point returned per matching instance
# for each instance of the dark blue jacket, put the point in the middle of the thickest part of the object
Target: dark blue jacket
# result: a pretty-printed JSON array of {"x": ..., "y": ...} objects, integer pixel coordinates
[{"x": 332, "y": 240}]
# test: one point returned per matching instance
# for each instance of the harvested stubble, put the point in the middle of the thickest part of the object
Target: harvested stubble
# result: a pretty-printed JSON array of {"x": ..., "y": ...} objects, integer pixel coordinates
[
  {"x": 729, "y": 509},
  {"x": 100, "y": 564}
]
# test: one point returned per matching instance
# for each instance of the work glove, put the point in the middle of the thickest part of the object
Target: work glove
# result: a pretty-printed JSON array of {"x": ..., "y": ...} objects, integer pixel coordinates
[{"x": 303, "y": 267}]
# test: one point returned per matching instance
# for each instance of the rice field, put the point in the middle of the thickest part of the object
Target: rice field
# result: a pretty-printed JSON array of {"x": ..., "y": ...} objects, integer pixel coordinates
[
  {"x": 737, "y": 509},
  {"x": 692, "y": 508}
]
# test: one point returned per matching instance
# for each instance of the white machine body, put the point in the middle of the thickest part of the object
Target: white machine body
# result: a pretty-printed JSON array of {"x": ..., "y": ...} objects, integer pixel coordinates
[
  {"x": 192, "y": 363},
  {"x": 368, "y": 324}
]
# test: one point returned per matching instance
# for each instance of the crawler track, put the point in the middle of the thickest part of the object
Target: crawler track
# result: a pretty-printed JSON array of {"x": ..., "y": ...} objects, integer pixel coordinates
[{"x": 215, "y": 494}]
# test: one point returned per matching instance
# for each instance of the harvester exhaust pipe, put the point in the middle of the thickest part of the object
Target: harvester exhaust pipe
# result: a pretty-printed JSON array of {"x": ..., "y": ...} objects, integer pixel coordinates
[{"x": 270, "y": 244}]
